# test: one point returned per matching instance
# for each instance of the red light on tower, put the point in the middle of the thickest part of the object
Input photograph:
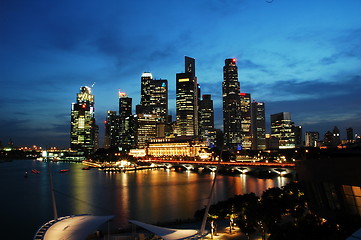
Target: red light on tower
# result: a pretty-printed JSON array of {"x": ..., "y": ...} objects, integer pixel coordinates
[
  {"x": 83, "y": 105},
  {"x": 234, "y": 60}
]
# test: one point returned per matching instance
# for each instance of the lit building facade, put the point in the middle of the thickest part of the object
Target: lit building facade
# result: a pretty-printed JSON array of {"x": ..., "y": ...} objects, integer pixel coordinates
[
  {"x": 145, "y": 129},
  {"x": 154, "y": 97},
  {"x": 126, "y": 122},
  {"x": 181, "y": 148},
  {"x": 283, "y": 128},
  {"x": 112, "y": 130},
  {"x": 206, "y": 119},
  {"x": 83, "y": 130},
  {"x": 258, "y": 126},
  {"x": 187, "y": 100},
  {"x": 312, "y": 139},
  {"x": 246, "y": 126},
  {"x": 159, "y": 99},
  {"x": 231, "y": 105}
]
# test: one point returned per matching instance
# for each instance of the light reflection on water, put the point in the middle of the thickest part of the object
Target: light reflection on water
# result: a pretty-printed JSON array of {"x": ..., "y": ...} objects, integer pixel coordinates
[{"x": 152, "y": 196}]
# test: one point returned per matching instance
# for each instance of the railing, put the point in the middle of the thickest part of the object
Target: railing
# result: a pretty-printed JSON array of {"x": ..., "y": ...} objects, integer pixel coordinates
[{"x": 248, "y": 163}]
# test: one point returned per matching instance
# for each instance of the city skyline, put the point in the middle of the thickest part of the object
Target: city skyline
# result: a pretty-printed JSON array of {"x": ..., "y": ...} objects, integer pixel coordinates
[{"x": 298, "y": 57}]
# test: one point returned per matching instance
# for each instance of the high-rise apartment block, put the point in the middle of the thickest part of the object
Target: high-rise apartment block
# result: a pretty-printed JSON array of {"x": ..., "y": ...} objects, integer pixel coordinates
[
  {"x": 258, "y": 126},
  {"x": 83, "y": 130},
  {"x": 246, "y": 120},
  {"x": 231, "y": 105},
  {"x": 187, "y": 100},
  {"x": 283, "y": 128}
]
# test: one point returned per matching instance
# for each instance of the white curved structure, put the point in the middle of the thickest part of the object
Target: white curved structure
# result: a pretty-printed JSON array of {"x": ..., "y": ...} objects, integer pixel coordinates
[{"x": 75, "y": 227}]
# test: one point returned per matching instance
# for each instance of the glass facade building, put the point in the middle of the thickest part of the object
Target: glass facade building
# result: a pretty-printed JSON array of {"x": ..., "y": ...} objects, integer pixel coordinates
[
  {"x": 231, "y": 105},
  {"x": 246, "y": 120},
  {"x": 83, "y": 130},
  {"x": 282, "y": 128},
  {"x": 258, "y": 126},
  {"x": 332, "y": 183},
  {"x": 312, "y": 139},
  {"x": 154, "y": 97},
  {"x": 206, "y": 119},
  {"x": 187, "y": 100}
]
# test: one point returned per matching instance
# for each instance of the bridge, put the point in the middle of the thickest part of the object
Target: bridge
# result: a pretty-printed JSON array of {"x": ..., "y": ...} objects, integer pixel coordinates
[{"x": 242, "y": 167}]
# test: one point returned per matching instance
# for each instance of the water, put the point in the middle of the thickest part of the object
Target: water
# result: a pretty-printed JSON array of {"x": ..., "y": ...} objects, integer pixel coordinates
[{"x": 151, "y": 196}]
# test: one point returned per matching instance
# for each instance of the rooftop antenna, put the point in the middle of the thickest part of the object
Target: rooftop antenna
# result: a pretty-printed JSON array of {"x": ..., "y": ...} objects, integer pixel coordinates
[{"x": 93, "y": 85}]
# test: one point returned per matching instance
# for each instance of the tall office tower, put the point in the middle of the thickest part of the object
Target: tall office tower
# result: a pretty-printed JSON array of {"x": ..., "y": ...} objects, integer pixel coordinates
[
  {"x": 336, "y": 136},
  {"x": 83, "y": 127},
  {"x": 154, "y": 97},
  {"x": 145, "y": 81},
  {"x": 246, "y": 128},
  {"x": 298, "y": 136},
  {"x": 231, "y": 105},
  {"x": 159, "y": 99},
  {"x": 349, "y": 134},
  {"x": 145, "y": 129},
  {"x": 282, "y": 128},
  {"x": 187, "y": 100},
  {"x": 206, "y": 120},
  {"x": 112, "y": 130},
  {"x": 258, "y": 126},
  {"x": 126, "y": 125},
  {"x": 312, "y": 139}
]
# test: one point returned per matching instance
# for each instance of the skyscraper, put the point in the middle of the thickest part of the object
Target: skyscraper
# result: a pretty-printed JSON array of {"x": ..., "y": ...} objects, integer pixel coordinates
[
  {"x": 258, "y": 126},
  {"x": 154, "y": 97},
  {"x": 146, "y": 78},
  {"x": 231, "y": 105},
  {"x": 187, "y": 100},
  {"x": 159, "y": 99},
  {"x": 206, "y": 119},
  {"x": 246, "y": 120},
  {"x": 126, "y": 122},
  {"x": 282, "y": 128},
  {"x": 83, "y": 128},
  {"x": 112, "y": 130}
]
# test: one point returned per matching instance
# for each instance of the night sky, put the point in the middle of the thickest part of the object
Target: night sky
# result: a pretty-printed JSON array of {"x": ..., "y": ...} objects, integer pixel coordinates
[{"x": 302, "y": 57}]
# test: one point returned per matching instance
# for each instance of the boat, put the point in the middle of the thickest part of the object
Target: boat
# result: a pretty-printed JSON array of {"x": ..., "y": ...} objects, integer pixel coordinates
[
  {"x": 35, "y": 171},
  {"x": 64, "y": 170}
]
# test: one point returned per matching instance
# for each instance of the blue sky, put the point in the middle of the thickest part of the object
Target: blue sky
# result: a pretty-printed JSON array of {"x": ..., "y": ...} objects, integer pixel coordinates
[{"x": 302, "y": 57}]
